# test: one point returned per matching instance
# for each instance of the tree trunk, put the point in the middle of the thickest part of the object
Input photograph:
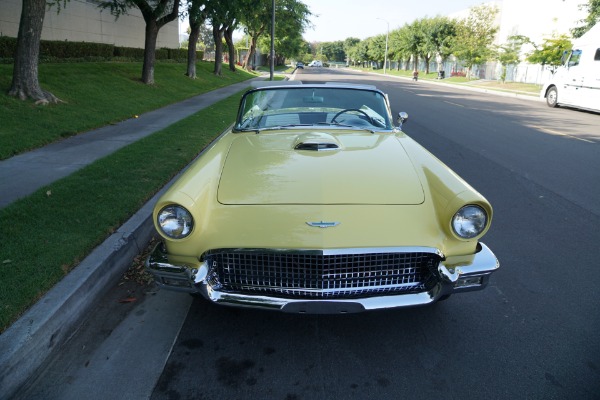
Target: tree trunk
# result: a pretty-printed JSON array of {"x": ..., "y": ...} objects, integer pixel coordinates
[
  {"x": 154, "y": 21},
  {"x": 250, "y": 59},
  {"x": 218, "y": 37},
  {"x": 25, "y": 83},
  {"x": 231, "y": 47},
  {"x": 191, "y": 60},
  {"x": 196, "y": 20},
  {"x": 149, "y": 52},
  {"x": 416, "y": 61}
]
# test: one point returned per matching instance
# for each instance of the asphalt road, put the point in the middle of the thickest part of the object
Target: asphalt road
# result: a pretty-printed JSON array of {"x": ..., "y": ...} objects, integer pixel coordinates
[{"x": 533, "y": 333}]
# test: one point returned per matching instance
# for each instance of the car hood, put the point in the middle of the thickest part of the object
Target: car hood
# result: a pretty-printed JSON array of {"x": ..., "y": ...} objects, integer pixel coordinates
[{"x": 318, "y": 168}]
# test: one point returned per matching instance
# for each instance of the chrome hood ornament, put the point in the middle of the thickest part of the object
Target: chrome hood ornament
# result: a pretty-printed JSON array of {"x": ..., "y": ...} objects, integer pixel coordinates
[{"x": 323, "y": 224}]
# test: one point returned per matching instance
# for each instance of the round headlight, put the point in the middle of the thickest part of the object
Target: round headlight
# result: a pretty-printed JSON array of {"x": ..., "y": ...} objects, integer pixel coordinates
[
  {"x": 175, "y": 221},
  {"x": 469, "y": 221}
]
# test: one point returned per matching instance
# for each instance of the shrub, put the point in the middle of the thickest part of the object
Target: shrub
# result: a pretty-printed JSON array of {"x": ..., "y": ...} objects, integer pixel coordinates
[
  {"x": 128, "y": 53},
  {"x": 65, "y": 51},
  {"x": 8, "y": 45}
]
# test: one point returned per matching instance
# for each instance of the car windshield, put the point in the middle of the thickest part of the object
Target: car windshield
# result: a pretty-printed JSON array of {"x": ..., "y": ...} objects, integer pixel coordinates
[{"x": 324, "y": 106}]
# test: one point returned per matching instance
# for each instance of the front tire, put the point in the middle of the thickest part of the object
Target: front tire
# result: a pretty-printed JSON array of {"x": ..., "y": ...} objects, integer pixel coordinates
[
  {"x": 552, "y": 97},
  {"x": 444, "y": 297}
]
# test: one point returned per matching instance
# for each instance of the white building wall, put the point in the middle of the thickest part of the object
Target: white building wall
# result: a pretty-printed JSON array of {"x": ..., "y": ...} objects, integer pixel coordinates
[
  {"x": 83, "y": 21},
  {"x": 536, "y": 19}
]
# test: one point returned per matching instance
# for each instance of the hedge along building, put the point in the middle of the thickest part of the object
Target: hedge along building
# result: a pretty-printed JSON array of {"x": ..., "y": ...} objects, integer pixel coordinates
[{"x": 84, "y": 21}]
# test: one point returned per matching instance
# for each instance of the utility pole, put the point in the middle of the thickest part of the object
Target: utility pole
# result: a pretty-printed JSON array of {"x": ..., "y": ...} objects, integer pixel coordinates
[
  {"x": 272, "y": 67},
  {"x": 386, "y": 44}
]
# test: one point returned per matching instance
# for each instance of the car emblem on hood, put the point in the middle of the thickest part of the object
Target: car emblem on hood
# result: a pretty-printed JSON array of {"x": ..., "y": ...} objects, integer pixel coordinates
[{"x": 323, "y": 224}]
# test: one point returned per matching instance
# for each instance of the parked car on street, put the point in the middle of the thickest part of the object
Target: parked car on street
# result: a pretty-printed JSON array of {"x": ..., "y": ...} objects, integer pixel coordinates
[
  {"x": 300, "y": 65},
  {"x": 315, "y": 63},
  {"x": 315, "y": 202}
]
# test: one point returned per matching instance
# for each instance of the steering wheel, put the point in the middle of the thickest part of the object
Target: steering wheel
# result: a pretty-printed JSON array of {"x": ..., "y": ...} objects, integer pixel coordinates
[{"x": 353, "y": 109}]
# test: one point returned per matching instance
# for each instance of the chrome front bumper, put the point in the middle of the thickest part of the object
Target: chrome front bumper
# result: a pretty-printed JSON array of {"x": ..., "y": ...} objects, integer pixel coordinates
[{"x": 472, "y": 274}]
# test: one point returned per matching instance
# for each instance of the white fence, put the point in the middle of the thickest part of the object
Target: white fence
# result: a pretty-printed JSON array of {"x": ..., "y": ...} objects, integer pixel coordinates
[{"x": 523, "y": 72}]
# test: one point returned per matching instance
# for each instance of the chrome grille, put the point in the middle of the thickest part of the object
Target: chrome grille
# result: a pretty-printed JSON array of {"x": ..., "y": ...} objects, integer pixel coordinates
[{"x": 312, "y": 275}]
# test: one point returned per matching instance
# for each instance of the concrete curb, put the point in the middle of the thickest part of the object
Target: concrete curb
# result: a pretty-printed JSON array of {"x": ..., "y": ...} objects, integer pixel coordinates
[
  {"x": 28, "y": 344},
  {"x": 44, "y": 328}
]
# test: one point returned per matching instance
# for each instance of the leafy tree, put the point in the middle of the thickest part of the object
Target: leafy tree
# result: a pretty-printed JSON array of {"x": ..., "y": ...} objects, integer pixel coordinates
[
  {"x": 397, "y": 50},
  {"x": 551, "y": 52},
  {"x": 156, "y": 13},
  {"x": 304, "y": 52},
  {"x": 593, "y": 8},
  {"x": 206, "y": 37},
  {"x": 352, "y": 53},
  {"x": 510, "y": 52},
  {"x": 224, "y": 17},
  {"x": 441, "y": 33},
  {"x": 349, "y": 43},
  {"x": 289, "y": 26},
  {"x": 410, "y": 41},
  {"x": 334, "y": 50},
  {"x": 256, "y": 18},
  {"x": 25, "y": 82},
  {"x": 376, "y": 49},
  {"x": 362, "y": 52},
  {"x": 474, "y": 36},
  {"x": 197, "y": 14},
  {"x": 427, "y": 47}
]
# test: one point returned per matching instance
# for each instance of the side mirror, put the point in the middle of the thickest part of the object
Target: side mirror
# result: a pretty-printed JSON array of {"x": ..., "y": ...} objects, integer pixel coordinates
[{"x": 402, "y": 117}]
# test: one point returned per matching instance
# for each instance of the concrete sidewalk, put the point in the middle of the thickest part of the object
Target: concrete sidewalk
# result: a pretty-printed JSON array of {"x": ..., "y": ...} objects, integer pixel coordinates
[
  {"x": 45, "y": 327},
  {"x": 24, "y": 174}
]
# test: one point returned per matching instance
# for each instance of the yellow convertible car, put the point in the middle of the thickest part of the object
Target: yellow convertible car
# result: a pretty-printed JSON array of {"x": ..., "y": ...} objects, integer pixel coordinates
[{"x": 314, "y": 202}]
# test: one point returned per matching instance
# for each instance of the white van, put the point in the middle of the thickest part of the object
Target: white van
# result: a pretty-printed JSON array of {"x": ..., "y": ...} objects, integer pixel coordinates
[
  {"x": 577, "y": 82},
  {"x": 315, "y": 63}
]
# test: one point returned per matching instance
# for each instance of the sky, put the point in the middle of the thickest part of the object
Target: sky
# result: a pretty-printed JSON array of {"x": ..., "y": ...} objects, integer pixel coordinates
[{"x": 340, "y": 19}]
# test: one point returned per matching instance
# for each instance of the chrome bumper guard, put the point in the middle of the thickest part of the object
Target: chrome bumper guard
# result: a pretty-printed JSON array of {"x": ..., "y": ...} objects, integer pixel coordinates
[{"x": 470, "y": 276}]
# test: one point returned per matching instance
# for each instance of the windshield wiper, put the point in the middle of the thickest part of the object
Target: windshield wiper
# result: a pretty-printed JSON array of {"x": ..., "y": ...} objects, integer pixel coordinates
[
  {"x": 255, "y": 130},
  {"x": 280, "y": 127},
  {"x": 345, "y": 126}
]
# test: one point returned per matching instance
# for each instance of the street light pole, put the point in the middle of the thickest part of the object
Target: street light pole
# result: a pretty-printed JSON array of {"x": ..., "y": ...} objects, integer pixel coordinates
[
  {"x": 272, "y": 66},
  {"x": 387, "y": 35}
]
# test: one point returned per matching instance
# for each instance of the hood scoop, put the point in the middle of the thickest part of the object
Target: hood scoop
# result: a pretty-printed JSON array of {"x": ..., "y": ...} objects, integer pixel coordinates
[
  {"x": 317, "y": 146},
  {"x": 317, "y": 142}
]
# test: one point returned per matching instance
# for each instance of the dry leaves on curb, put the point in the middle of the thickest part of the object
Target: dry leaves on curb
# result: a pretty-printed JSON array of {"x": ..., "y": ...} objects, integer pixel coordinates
[{"x": 137, "y": 271}]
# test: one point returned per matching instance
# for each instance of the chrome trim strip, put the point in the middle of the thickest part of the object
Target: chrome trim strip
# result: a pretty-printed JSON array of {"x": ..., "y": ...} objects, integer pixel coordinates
[
  {"x": 374, "y": 289},
  {"x": 341, "y": 251},
  {"x": 323, "y": 224}
]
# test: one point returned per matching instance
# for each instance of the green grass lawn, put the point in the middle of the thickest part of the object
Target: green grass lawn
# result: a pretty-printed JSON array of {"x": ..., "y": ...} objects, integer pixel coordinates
[
  {"x": 45, "y": 235},
  {"x": 95, "y": 94},
  {"x": 48, "y": 233},
  {"x": 525, "y": 88},
  {"x": 279, "y": 69}
]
